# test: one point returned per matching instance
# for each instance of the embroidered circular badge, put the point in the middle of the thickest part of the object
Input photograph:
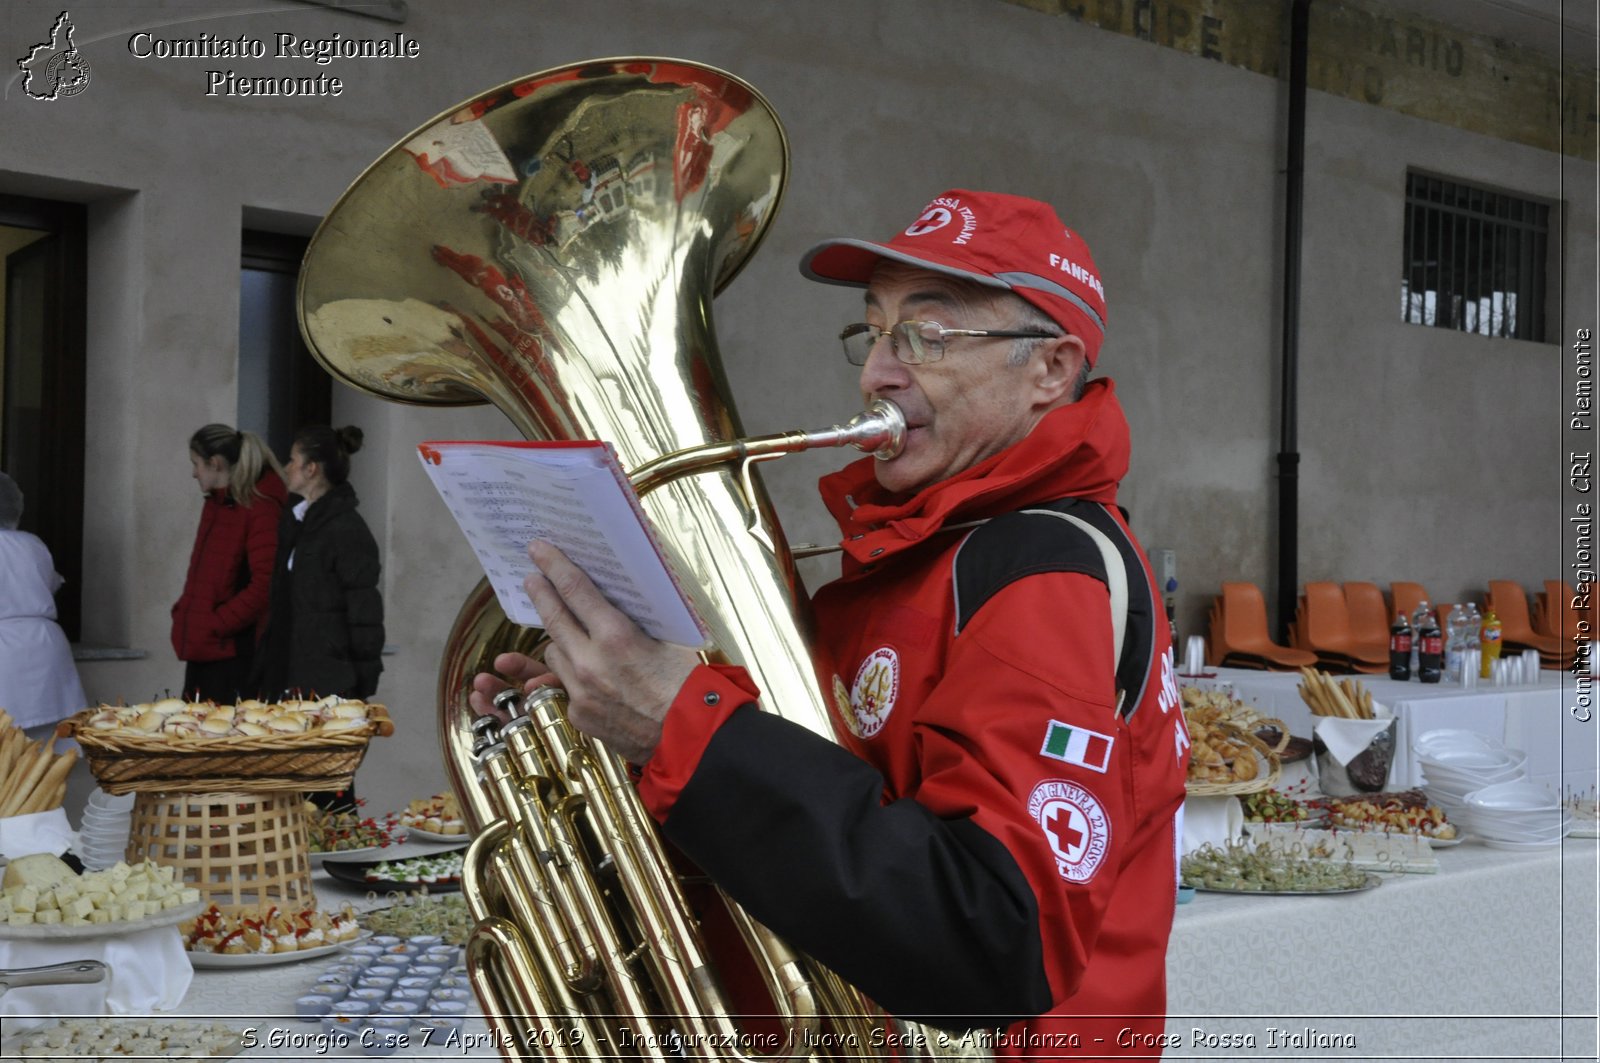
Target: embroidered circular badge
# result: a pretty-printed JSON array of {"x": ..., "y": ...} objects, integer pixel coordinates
[
  {"x": 872, "y": 695},
  {"x": 933, "y": 219},
  {"x": 1075, "y": 824},
  {"x": 841, "y": 704}
]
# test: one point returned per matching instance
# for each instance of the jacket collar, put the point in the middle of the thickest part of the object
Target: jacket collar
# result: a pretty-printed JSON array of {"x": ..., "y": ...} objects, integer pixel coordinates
[{"x": 1076, "y": 451}]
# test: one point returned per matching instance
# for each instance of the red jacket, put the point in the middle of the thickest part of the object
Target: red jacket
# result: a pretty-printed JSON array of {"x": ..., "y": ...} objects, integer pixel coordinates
[
  {"x": 230, "y": 573},
  {"x": 1018, "y": 855}
]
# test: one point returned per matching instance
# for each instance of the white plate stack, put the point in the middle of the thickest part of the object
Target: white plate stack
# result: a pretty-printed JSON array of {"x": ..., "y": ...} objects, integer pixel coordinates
[
  {"x": 1518, "y": 815},
  {"x": 103, "y": 836},
  {"x": 1456, "y": 763}
]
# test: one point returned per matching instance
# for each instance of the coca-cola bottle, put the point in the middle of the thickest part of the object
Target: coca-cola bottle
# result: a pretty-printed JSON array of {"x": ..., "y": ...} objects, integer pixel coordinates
[
  {"x": 1430, "y": 651},
  {"x": 1400, "y": 649}
]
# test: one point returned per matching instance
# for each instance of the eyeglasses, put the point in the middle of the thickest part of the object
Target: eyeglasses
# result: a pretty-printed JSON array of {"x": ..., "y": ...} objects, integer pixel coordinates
[{"x": 917, "y": 342}]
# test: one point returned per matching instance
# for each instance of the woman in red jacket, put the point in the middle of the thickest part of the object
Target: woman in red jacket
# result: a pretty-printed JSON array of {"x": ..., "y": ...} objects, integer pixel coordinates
[{"x": 223, "y": 608}]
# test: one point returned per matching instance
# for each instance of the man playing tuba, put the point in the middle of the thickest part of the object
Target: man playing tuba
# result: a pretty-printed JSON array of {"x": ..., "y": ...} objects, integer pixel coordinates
[{"x": 992, "y": 847}]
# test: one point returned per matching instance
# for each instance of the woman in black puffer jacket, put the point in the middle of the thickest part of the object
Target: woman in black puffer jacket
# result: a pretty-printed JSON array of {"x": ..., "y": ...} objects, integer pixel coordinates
[{"x": 325, "y": 628}]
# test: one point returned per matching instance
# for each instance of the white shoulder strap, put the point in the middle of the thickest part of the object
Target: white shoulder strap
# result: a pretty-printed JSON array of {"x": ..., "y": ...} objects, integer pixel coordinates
[{"x": 1116, "y": 579}]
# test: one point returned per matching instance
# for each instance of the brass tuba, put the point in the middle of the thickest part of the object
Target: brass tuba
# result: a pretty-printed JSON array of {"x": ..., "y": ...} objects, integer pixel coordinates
[{"x": 552, "y": 246}]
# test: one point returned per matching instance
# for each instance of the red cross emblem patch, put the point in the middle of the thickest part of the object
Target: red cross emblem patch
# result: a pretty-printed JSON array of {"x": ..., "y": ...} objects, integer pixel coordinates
[{"x": 1075, "y": 824}]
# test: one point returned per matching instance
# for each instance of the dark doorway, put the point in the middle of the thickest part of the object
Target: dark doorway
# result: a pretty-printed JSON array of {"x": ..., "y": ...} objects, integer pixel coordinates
[
  {"x": 281, "y": 386},
  {"x": 42, "y": 381}
]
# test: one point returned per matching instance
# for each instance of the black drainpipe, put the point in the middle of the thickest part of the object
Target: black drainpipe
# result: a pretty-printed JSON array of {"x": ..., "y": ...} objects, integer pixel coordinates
[{"x": 1288, "y": 441}]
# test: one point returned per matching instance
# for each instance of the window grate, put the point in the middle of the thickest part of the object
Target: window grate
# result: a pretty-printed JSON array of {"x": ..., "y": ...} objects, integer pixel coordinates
[{"x": 1475, "y": 259}]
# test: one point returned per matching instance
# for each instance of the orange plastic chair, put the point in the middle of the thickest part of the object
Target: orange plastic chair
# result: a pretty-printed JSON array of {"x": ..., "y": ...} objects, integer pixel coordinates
[
  {"x": 1244, "y": 641},
  {"x": 1325, "y": 625},
  {"x": 1560, "y": 617},
  {"x": 1510, "y": 604},
  {"x": 1369, "y": 616},
  {"x": 1407, "y": 596}
]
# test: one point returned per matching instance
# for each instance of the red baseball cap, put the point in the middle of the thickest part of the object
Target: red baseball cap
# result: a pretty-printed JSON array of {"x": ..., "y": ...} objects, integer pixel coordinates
[{"x": 994, "y": 239}]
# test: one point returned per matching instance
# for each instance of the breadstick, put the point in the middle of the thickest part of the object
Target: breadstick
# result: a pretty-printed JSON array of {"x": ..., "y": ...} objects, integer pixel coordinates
[
  {"x": 10, "y": 747},
  {"x": 23, "y": 777},
  {"x": 1341, "y": 699},
  {"x": 54, "y": 779}
]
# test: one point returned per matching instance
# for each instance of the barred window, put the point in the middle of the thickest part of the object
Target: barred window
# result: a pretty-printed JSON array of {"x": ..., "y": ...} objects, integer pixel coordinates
[{"x": 1475, "y": 259}]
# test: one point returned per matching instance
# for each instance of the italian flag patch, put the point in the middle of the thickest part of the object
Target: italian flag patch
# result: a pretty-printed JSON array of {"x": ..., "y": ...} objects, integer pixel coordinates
[{"x": 1078, "y": 745}]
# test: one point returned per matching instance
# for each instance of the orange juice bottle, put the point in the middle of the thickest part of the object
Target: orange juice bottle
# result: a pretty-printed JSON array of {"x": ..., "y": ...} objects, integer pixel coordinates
[{"x": 1489, "y": 643}]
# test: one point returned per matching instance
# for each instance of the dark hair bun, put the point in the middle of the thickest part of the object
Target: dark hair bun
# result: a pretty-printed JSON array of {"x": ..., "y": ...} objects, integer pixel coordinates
[{"x": 350, "y": 438}]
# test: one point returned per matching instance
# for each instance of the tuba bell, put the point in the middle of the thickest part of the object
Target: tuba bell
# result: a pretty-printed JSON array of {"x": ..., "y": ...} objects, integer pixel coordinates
[{"x": 551, "y": 246}]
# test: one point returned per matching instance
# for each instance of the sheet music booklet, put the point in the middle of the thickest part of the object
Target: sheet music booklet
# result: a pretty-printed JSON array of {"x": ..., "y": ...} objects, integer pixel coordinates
[{"x": 574, "y": 495}]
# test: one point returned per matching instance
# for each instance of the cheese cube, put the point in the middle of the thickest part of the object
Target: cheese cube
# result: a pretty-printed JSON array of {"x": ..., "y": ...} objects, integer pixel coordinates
[
  {"x": 99, "y": 915},
  {"x": 51, "y": 917},
  {"x": 79, "y": 909},
  {"x": 20, "y": 919},
  {"x": 25, "y": 900}
]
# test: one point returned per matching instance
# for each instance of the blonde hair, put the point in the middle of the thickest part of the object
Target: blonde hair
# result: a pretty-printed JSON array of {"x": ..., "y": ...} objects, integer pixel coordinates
[{"x": 245, "y": 454}]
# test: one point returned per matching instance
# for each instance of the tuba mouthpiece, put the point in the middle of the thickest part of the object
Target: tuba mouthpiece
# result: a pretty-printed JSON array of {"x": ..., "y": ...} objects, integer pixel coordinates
[{"x": 880, "y": 428}]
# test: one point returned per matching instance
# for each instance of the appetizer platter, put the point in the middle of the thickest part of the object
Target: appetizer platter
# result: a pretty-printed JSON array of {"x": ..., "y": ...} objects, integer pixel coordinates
[
  {"x": 172, "y": 745},
  {"x": 1275, "y": 806},
  {"x": 1394, "y": 853},
  {"x": 224, "y": 960},
  {"x": 435, "y": 819},
  {"x": 1252, "y": 867},
  {"x": 348, "y": 834},
  {"x": 1407, "y": 812},
  {"x": 1225, "y": 756},
  {"x": 439, "y": 873},
  {"x": 41, "y": 896},
  {"x": 411, "y": 914},
  {"x": 257, "y": 937},
  {"x": 144, "y": 1037}
]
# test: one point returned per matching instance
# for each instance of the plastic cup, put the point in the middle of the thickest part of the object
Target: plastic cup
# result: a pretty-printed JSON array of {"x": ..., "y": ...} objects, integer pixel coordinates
[
  {"x": 332, "y": 990},
  {"x": 346, "y": 1018},
  {"x": 444, "y": 1014},
  {"x": 371, "y": 996},
  {"x": 400, "y": 1009},
  {"x": 314, "y": 1007}
]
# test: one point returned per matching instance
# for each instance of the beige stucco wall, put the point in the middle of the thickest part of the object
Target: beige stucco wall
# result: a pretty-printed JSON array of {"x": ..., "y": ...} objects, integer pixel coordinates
[{"x": 1426, "y": 455}]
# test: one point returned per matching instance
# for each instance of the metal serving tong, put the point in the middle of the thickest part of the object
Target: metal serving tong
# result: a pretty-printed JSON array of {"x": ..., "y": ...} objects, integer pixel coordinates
[{"x": 73, "y": 972}]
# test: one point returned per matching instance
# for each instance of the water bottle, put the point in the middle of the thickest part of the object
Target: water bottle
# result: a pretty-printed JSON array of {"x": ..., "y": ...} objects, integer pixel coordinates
[
  {"x": 1474, "y": 633},
  {"x": 1455, "y": 645},
  {"x": 1400, "y": 649}
]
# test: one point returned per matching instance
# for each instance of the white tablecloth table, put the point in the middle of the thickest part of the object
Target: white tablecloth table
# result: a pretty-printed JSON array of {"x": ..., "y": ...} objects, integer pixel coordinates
[
  {"x": 1492, "y": 957},
  {"x": 1535, "y": 718}
]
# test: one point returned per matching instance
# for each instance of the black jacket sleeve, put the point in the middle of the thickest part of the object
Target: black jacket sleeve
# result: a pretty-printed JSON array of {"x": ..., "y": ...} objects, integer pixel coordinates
[{"x": 791, "y": 826}]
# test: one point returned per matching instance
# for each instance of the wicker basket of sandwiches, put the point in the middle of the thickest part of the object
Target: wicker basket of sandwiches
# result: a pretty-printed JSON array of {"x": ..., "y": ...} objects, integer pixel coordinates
[{"x": 172, "y": 745}]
